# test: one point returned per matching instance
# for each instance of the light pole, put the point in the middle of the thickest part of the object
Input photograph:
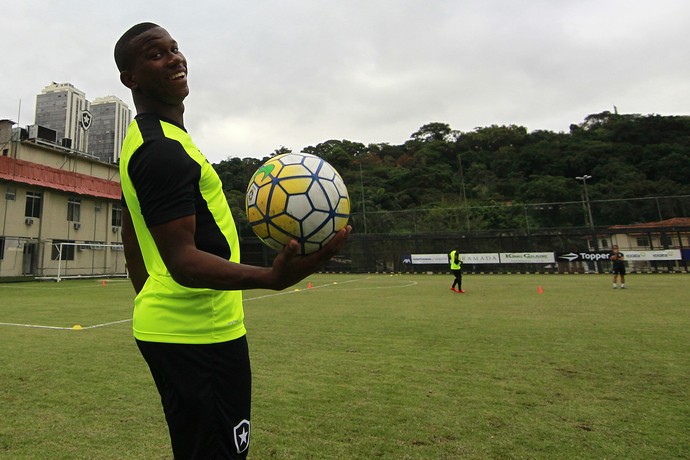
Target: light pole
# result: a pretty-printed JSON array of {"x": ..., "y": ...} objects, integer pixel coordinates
[
  {"x": 464, "y": 195},
  {"x": 584, "y": 178},
  {"x": 589, "y": 208},
  {"x": 364, "y": 206}
]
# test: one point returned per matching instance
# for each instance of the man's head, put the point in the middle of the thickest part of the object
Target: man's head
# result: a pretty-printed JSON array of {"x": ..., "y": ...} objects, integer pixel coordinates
[
  {"x": 615, "y": 247},
  {"x": 152, "y": 66},
  {"x": 123, "y": 58}
]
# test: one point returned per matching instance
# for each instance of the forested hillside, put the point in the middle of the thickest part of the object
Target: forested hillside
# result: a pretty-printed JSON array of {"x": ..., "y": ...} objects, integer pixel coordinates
[{"x": 506, "y": 177}]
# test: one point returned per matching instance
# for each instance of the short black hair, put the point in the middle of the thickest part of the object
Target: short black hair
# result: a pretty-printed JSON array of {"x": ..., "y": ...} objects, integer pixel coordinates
[{"x": 123, "y": 58}]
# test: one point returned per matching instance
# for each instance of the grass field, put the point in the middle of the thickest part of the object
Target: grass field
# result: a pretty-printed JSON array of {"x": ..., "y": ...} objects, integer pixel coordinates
[{"x": 373, "y": 366}]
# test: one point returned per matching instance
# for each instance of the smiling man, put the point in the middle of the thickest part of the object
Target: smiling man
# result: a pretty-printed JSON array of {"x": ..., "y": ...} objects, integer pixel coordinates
[{"x": 183, "y": 257}]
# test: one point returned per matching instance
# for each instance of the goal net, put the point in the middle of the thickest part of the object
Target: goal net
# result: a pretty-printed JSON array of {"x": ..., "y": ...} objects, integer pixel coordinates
[{"x": 83, "y": 260}]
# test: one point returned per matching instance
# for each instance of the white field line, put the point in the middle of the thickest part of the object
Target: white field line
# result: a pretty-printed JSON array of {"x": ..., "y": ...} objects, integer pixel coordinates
[
  {"x": 296, "y": 290},
  {"x": 128, "y": 320},
  {"x": 286, "y": 292},
  {"x": 73, "y": 328},
  {"x": 98, "y": 283},
  {"x": 36, "y": 326}
]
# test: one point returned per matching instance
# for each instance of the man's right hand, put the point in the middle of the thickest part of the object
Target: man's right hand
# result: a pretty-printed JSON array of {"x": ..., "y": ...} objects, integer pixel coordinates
[{"x": 290, "y": 267}]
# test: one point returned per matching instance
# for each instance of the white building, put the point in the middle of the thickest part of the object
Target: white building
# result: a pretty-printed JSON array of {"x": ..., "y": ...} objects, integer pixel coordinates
[
  {"x": 111, "y": 117},
  {"x": 60, "y": 107}
]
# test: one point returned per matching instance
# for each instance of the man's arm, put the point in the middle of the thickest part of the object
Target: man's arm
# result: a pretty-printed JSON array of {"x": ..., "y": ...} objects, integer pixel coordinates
[
  {"x": 194, "y": 268},
  {"x": 135, "y": 261}
]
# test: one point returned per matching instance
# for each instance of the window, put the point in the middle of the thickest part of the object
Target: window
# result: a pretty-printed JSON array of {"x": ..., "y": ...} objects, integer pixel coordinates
[
  {"x": 73, "y": 209},
  {"x": 117, "y": 215},
  {"x": 10, "y": 194},
  {"x": 67, "y": 250},
  {"x": 643, "y": 241},
  {"x": 604, "y": 243},
  {"x": 33, "y": 204},
  {"x": 2, "y": 248},
  {"x": 665, "y": 240}
]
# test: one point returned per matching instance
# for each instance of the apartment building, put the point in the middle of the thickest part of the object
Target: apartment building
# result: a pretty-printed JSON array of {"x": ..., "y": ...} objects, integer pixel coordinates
[
  {"x": 60, "y": 107},
  {"x": 111, "y": 117}
]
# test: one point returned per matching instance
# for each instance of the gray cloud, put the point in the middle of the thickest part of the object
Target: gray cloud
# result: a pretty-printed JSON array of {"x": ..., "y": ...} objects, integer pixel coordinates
[{"x": 266, "y": 74}]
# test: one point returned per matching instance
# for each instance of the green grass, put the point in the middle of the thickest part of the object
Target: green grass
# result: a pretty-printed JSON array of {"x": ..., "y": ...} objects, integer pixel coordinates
[{"x": 377, "y": 366}]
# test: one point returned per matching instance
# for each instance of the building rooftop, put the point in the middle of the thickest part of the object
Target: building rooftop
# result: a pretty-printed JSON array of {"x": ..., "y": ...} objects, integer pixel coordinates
[{"x": 675, "y": 222}]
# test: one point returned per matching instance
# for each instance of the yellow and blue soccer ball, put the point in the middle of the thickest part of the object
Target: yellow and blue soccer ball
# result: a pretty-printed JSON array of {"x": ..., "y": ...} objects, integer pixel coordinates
[{"x": 297, "y": 196}]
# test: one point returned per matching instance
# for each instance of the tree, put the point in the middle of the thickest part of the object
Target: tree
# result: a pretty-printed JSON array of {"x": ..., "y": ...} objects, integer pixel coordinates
[
  {"x": 629, "y": 156},
  {"x": 433, "y": 132}
]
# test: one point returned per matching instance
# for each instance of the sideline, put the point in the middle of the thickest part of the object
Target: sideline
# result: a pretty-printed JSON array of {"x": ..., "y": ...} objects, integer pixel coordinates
[{"x": 78, "y": 327}]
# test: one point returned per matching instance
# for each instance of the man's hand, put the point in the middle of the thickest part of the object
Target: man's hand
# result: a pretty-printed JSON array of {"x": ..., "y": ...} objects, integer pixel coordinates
[{"x": 289, "y": 267}]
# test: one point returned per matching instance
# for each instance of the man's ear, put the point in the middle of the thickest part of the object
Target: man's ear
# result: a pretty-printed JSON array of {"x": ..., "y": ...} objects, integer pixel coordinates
[{"x": 128, "y": 79}]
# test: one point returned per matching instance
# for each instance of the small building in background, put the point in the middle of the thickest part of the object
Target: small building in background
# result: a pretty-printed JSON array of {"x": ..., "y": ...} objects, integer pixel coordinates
[
  {"x": 669, "y": 234},
  {"x": 60, "y": 210}
]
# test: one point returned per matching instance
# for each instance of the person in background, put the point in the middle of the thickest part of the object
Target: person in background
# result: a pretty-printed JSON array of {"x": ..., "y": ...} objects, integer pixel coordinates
[
  {"x": 618, "y": 260},
  {"x": 456, "y": 269}
]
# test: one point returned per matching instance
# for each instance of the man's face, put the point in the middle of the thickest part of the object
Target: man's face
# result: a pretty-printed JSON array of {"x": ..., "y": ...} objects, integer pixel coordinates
[{"x": 159, "y": 69}]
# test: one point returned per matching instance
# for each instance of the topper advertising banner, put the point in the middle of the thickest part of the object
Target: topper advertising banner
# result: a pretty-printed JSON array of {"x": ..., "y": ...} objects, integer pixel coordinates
[
  {"x": 593, "y": 256},
  {"x": 589, "y": 256}
]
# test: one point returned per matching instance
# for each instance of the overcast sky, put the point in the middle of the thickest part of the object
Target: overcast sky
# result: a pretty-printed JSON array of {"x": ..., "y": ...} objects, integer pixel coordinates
[{"x": 271, "y": 74}]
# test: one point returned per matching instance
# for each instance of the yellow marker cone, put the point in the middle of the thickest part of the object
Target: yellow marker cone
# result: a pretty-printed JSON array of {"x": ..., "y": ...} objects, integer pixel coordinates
[{"x": 77, "y": 327}]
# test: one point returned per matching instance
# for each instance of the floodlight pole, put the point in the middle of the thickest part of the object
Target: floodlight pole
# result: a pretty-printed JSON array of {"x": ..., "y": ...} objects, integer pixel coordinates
[
  {"x": 588, "y": 206},
  {"x": 464, "y": 194},
  {"x": 364, "y": 206}
]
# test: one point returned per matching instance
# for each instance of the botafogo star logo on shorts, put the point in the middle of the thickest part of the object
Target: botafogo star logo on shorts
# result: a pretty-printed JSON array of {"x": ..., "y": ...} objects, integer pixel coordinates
[{"x": 241, "y": 432}]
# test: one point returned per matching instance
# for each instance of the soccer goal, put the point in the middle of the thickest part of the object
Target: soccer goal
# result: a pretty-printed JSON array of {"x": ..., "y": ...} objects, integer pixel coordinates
[{"x": 63, "y": 260}]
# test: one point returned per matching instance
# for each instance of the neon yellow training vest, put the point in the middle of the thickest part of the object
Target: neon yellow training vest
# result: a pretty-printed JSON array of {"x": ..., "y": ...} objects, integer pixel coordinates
[
  {"x": 453, "y": 265},
  {"x": 165, "y": 311}
]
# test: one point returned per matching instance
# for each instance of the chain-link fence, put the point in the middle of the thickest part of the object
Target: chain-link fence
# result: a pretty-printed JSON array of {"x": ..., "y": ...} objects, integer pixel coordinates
[{"x": 381, "y": 240}]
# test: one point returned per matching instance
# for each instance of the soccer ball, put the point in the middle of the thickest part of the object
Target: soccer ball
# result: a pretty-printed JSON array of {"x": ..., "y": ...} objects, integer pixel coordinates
[{"x": 297, "y": 196}]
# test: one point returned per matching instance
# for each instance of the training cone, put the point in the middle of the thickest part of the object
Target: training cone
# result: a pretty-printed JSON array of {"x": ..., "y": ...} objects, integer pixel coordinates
[
  {"x": 309, "y": 285},
  {"x": 540, "y": 290},
  {"x": 77, "y": 327},
  {"x": 103, "y": 283}
]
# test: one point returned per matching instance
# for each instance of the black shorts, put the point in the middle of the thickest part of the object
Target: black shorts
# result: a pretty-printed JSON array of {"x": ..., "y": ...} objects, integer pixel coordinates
[
  {"x": 619, "y": 269},
  {"x": 206, "y": 395}
]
